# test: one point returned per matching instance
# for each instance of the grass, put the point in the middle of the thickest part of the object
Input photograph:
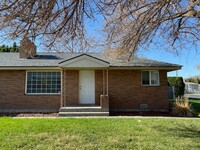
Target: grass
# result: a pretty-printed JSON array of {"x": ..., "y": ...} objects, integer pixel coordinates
[
  {"x": 195, "y": 105},
  {"x": 99, "y": 133}
]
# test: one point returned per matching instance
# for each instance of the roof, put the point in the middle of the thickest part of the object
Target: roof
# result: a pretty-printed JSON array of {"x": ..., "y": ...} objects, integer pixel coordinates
[{"x": 54, "y": 59}]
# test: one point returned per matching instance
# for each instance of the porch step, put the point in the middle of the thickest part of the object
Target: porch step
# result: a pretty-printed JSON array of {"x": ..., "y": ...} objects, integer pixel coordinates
[
  {"x": 83, "y": 111},
  {"x": 80, "y": 109},
  {"x": 65, "y": 114}
]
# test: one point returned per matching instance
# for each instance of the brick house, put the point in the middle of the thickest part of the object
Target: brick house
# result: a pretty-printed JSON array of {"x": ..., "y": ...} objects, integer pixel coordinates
[{"x": 88, "y": 84}]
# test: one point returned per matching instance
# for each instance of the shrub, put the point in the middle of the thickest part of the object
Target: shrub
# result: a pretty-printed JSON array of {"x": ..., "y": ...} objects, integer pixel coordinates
[
  {"x": 182, "y": 108},
  {"x": 194, "y": 79},
  {"x": 178, "y": 84}
]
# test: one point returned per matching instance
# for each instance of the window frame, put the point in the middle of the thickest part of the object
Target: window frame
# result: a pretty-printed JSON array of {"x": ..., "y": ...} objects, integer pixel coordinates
[
  {"x": 150, "y": 84},
  {"x": 27, "y": 71}
]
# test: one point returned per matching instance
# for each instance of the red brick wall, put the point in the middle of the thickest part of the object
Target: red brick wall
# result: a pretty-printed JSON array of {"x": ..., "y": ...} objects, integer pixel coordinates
[
  {"x": 126, "y": 91},
  {"x": 98, "y": 85},
  {"x": 72, "y": 87},
  {"x": 13, "y": 97}
]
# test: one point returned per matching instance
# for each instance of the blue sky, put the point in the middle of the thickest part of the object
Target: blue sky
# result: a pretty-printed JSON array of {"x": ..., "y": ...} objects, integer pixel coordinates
[{"x": 188, "y": 58}]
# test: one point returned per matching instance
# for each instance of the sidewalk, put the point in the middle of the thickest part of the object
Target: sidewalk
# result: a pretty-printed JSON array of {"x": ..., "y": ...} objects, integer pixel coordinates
[{"x": 192, "y": 96}]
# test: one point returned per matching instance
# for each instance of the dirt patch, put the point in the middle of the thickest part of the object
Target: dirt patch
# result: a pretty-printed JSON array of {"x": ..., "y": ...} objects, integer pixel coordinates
[
  {"x": 149, "y": 113},
  {"x": 28, "y": 114},
  {"x": 144, "y": 113}
]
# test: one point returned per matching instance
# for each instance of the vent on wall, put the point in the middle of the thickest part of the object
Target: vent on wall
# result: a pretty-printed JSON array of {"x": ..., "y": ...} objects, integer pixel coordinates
[{"x": 144, "y": 106}]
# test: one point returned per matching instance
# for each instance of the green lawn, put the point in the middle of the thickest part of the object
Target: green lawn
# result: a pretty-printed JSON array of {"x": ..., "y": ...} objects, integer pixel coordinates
[
  {"x": 100, "y": 133},
  {"x": 195, "y": 105}
]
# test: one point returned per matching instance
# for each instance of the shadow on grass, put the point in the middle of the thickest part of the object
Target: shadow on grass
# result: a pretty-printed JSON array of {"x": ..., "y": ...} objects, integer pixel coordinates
[
  {"x": 195, "y": 105},
  {"x": 140, "y": 113},
  {"x": 29, "y": 114},
  {"x": 182, "y": 131}
]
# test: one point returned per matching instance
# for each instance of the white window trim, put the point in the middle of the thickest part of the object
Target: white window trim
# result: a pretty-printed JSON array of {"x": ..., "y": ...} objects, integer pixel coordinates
[
  {"x": 41, "y": 93},
  {"x": 150, "y": 78}
]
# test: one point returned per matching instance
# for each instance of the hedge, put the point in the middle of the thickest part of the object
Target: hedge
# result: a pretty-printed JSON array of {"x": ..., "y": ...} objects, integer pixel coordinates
[{"x": 178, "y": 84}]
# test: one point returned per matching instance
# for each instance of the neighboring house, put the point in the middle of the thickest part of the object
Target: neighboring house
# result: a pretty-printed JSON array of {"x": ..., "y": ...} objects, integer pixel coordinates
[
  {"x": 81, "y": 83},
  {"x": 192, "y": 88}
]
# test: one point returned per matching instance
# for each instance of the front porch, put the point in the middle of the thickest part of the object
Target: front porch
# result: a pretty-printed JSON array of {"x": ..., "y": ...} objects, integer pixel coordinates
[
  {"x": 84, "y": 89},
  {"x": 82, "y": 111},
  {"x": 87, "y": 110}
]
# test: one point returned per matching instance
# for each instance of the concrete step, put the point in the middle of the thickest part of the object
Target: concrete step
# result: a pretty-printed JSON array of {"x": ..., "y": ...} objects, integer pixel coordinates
[
  {"x": 68, "y": 114},
  {"x": 81, "y": 109}
]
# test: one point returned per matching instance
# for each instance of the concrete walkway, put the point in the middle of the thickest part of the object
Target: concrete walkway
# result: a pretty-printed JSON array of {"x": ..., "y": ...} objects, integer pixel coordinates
[
  {"x": 192, "y": 96},
  {"x": 109, "y": 117}
]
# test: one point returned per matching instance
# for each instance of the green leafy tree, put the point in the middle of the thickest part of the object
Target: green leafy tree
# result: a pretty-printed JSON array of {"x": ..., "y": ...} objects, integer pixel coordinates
[
  {"x": 13, "y": 48},
  {"x": 198, "y": 80},
  {"x": 178, "y": 84},
  {"x": 193, "y": 79},
  {"x": 3, "y": 48}
]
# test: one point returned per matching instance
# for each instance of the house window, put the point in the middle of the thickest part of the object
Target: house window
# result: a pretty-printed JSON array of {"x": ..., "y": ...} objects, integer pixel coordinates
[
  {"x": 150, "y": 78},
  {"x": 43, "y": 82}
]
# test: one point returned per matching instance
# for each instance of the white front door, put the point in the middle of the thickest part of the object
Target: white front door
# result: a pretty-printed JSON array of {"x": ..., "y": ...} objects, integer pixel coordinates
[{"x": 86, "y": 87}]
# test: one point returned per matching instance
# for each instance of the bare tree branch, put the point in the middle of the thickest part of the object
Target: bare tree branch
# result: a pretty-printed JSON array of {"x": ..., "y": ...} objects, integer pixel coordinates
[
  {"x": 48, "y": 19},
  {"x": 135, "y": 23},
  {"x": 129, "y": 24}
]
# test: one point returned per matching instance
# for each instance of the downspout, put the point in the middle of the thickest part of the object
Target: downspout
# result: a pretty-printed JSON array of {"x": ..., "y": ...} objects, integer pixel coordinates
[
  {"x": 103, "y": 82},
  {"x": 64, "y": 88},
  {"x": 107, "y": 82}
]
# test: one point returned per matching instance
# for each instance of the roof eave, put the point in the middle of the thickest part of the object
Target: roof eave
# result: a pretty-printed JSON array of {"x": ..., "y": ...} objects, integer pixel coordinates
[
  {"x": 29, "y": 67},
  {"x": 168, "y": 68}
]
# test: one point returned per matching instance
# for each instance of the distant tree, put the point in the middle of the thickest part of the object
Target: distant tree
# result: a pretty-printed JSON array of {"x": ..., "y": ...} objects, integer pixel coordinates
[
  {"x": 3, "y": 48},
  {"x": 198, "y": 80},
  {"x": 193, "y": 79},
  {"x": 13, "y": 48},
  {"x": 189, "y": 80}
]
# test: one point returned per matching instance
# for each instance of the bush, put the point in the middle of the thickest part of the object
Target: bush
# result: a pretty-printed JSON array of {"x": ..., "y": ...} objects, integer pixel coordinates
[
  {"x": 178, "y": 84},
  {"x": 182, "y": 108},
  {"x": 193, "y": 79}
]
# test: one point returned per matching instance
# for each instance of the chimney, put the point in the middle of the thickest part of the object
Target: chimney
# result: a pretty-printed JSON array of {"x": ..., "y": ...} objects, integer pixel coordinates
[{"x": 27, "y": 48}]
